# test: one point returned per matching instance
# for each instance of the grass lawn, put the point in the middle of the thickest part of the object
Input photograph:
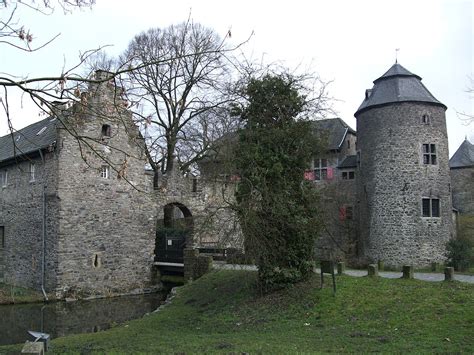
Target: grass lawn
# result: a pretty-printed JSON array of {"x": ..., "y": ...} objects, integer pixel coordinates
[{"x": 224, "y": 313}]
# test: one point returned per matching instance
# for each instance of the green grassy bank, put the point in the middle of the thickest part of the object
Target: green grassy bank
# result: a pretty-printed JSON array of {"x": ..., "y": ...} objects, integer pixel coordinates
[
  {"x": 11, "y": 294},
  {"x": 224, "y": 313}
]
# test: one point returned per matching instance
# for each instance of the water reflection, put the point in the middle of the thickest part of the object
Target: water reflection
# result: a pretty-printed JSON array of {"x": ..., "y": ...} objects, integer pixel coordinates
[{"x": 61, "y": 318}]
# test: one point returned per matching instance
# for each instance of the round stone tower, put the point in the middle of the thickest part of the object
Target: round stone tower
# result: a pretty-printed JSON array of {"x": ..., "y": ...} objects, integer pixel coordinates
[{"x": 403, "y": 184}]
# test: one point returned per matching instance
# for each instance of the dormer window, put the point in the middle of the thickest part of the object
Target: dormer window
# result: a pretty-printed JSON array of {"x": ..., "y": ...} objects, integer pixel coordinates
[
  {"x": 368, "y": 93},
  {"x": 106, "y": 131}
]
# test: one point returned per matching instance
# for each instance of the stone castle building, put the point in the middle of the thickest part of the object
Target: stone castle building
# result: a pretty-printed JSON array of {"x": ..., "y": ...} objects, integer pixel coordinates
[
  {"x": 404, "y": 187},
  {"x": 462, "y": 178},
  {"x": 80, "y": 214},
  {"x": 394, "y": 193}
]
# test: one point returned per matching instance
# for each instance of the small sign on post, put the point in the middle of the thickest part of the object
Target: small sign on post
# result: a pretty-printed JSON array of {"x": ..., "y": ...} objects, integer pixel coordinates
[{"x": 327, "y": 267}]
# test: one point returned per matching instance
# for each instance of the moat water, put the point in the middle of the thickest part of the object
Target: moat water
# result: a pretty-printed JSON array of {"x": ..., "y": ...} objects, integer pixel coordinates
[{"x": 65, "y": 318}]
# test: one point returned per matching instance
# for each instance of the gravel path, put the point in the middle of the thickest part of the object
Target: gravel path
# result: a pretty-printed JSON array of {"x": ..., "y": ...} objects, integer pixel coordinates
[{"x": 425, "y": 276}]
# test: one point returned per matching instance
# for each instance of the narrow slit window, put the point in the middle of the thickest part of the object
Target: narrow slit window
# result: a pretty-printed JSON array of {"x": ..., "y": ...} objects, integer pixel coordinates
[
  {"x": 96, "y": 262},
  {"x": 2, "y": 237}
]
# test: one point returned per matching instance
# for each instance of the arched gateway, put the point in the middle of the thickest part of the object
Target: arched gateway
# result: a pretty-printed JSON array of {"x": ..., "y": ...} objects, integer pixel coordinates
[{"x": 173, "y": 232}]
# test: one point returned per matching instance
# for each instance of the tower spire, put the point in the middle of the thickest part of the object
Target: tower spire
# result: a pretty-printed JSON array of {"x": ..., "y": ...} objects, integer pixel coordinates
[{"x": 396, "y": 55}]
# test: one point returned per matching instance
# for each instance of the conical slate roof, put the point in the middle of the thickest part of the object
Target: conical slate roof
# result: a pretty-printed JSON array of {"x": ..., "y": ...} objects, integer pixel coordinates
[
  {"x": 397, "y": 85},
  {"x": 464, "y": 156}
]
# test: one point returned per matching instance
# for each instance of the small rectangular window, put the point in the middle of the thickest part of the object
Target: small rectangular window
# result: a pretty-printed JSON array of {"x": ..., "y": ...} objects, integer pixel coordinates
[
  {"x": 106, "y": 131},
  {"x": 104, "y": 172},
  {"x": 429, "y": 154},
  {"x": 2, "y": 237},
  {"x": 348, "y": 175},
  {"x": 349, "y": 212},
  {"x": 32, "y": 172},
  {"x": 426, "y": 207},
  {"x": 320, "y": 169},
  {"x": 430, "y": 207},
  {"x": 434, "y": 208}
]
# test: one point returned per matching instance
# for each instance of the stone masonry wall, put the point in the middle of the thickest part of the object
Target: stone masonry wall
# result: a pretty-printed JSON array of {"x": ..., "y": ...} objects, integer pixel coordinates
[
  {"x": 107, "y": 224},
  {"x": 337, "y": 235},
  {"x": 207, "y": 199},
  {"x": 462, "y": 182},
  {"x": 392, "y": 180},
  {"x": 337, "y": 239},
  {"x": 21, "y": 214}
]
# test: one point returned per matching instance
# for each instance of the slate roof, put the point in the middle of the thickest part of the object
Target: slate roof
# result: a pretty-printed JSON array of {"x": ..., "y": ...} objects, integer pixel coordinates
[
  {"x": 349, "y": 162},
  {"x": 397, "y": 85},
  {"x": 28, "y": 140},
  {"x": 464, "y": 156},
  {"x": 335, "y": 129}
]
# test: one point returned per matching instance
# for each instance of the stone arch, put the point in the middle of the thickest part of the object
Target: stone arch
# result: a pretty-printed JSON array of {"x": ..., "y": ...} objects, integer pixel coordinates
[{"x": 173, "y": 232}]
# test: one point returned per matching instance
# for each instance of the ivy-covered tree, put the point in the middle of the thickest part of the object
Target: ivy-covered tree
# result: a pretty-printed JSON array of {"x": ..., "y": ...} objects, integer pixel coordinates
[{"x": 276, "y": 207}]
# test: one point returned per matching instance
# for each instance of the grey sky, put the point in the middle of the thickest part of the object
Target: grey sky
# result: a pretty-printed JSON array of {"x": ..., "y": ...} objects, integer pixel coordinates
[{"x": 350, "y": 43}]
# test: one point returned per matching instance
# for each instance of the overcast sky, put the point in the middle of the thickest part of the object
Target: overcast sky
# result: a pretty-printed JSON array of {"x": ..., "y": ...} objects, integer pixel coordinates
[{"x": 350, "y": 43}]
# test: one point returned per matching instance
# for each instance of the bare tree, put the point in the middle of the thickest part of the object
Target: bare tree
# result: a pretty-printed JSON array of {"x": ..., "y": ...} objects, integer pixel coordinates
[
  {"x": 180, "y": 102},
  {"x": 465, "y": 117},
  {"x": 16, "y": 34}
]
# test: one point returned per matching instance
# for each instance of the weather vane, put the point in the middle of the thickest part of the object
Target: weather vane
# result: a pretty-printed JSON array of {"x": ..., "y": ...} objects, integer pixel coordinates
[{"x": 396, "y": 55}]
